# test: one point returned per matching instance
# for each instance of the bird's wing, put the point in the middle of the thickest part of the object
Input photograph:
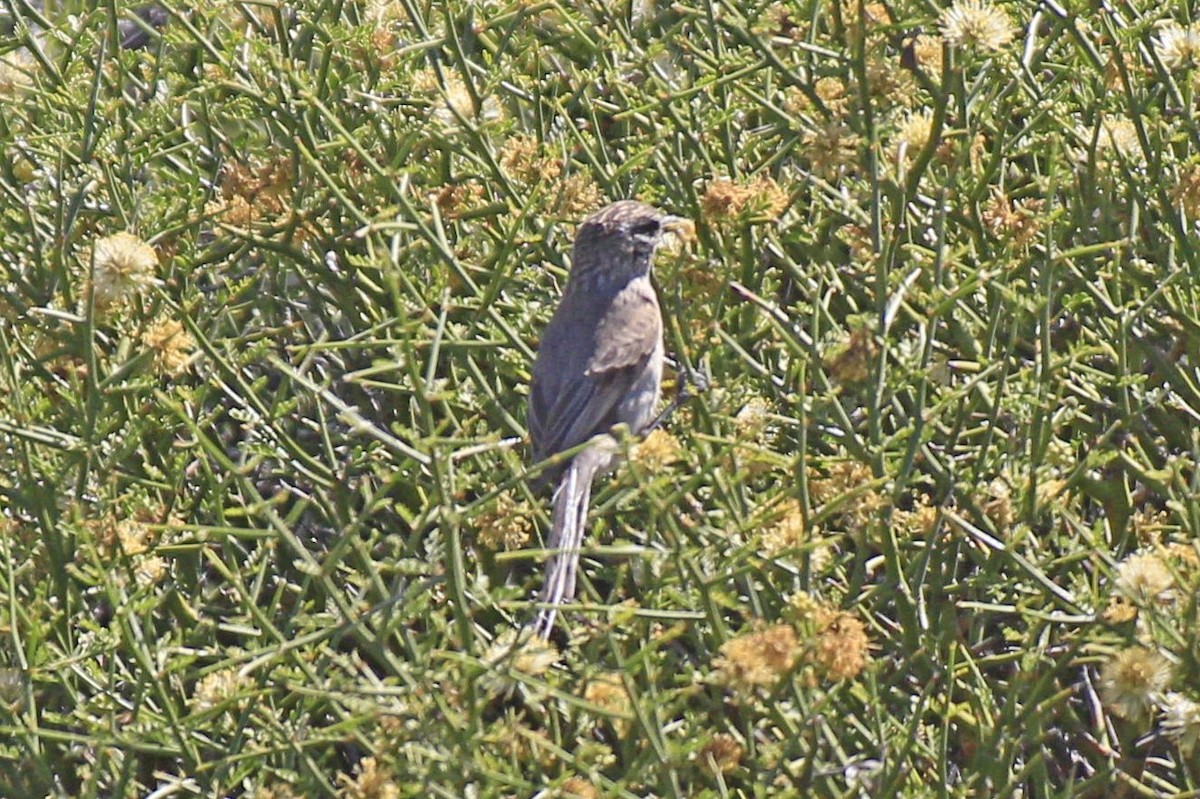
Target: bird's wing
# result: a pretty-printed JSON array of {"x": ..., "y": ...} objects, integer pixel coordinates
[
  {"x": 625, "y": 338},
  {"x": 629, "y": 332}
]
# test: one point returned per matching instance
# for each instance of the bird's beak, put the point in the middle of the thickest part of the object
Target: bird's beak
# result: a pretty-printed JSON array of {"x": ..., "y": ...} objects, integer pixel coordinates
[{"x": 681, "y": 227}]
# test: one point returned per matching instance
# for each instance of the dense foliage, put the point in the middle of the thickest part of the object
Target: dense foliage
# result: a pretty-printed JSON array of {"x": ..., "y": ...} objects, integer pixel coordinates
[{"x": 272, "y": 279}]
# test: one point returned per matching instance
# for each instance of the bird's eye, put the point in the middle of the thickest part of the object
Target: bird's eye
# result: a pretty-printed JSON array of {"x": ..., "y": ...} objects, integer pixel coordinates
[{"x": 647, "y": 227}]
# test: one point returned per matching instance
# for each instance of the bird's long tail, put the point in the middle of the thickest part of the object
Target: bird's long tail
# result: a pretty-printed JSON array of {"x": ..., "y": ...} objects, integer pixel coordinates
[{"x": 569, "y": 523}]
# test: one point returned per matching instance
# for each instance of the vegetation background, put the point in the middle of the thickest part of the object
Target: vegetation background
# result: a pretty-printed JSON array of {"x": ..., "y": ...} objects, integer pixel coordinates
[{"x": 273, "y": 275}]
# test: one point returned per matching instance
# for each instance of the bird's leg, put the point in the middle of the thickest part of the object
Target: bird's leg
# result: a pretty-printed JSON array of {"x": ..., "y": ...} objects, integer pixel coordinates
[{"x": 685, "y": 379}]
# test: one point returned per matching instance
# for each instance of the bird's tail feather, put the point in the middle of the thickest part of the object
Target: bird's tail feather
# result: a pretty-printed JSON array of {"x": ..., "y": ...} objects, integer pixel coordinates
[{"x": 569, "y": 523}]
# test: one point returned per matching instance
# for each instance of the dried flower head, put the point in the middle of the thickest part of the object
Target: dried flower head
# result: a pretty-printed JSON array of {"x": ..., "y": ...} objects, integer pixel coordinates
[
  {"x": 456, "y": 98},
  {"x": 577, "y": 788},
  {"x": 725, "y": 201},
  {"x": 848, "y": 483},
  {"x": 122, "y": 265},
  {"x": 12, "y": 687},
  {"x": 1177, "y": 46},
  {"x": 371, "y": 781},
  {"x": 1132, "y": 679},
  {"x": 1016, "y": 223},
  {"x": 506, "y": 525},
  {"x": 149, "y": 570},
  {"x": 791, "y": 534},
  {"x": 978, "y": 24},
  {"x": 803, "y": 607},
  {"x": 132, "y": 536},
  {"x": 840, "y": 649},
  {"x": 918, "y": 522},
  {"x": 889, "y": 85},
  {"x": 455, "y": 199},
  {"x": 1144, "y": 579},
  {"x": 171, "y": 345},
  {"x": 578, "y": 196},
  {"x": 254, "y": 191},
  {"x": 721, "y": 753},
  {"x": 833, "y": 95},
  {"x": 276, "y": 790},
  {"x": 1181, "y": 721},
  {"x": 758, "y": 658},
  {"x": 779, "y": 21},
  {"x": 831, "y": 149},
  {"x": 1186, "y": 191},
  {"x": 522, "y": 158},
  {"x": 607, "y": 692},
  {"x": 218, "y": 687}
]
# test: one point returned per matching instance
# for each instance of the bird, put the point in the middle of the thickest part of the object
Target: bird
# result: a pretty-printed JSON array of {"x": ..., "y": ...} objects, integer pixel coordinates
[{"x": 599, "y": 364}]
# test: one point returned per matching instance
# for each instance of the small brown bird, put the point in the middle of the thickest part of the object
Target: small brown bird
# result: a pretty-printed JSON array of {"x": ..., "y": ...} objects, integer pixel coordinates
[{"x": 599, "y": 364}]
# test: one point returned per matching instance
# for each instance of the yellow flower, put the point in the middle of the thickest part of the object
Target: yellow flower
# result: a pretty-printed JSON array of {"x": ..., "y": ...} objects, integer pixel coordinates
[
  {"x": 840, "y": 650},
  {"x": 171, "y": 345},
  {"x": 890, "y": 85},
  {"x": 997, "y": 505},
  {"x": 1178, "y": 47},
  {"x": 133, "y": 536},
  {"x": 122, "y": 265},
  {"x": 847, "y": 477},
  {"x": 758, "y": 658},
  {"x": 277, "y": 790},
  {"x": 928, "y": 52},
  {"x": 505, "y": 526},
  {"x": 455, "y": 199},
  {"x": 832, "y": 93},
  {"x": 656, "y": 451},
  {"x": 913, "y": 134},
  {"x": 976, "y": 23},
  {"x": 523, "y": 651},
  {"x": 1132, "y": 679},
  {"x": 1119, "y": 610},
  {"x": 373, "y": 781},
  {"x": 218, "y": 687},
  {"x": 791, "y": 533},
  {"x": 149, "y": 570},
  {"x": 918, "y": 522}
]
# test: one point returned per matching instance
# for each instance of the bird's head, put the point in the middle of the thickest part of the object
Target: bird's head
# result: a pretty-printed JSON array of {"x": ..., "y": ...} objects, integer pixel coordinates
[{"x": 621, "y": 238}]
